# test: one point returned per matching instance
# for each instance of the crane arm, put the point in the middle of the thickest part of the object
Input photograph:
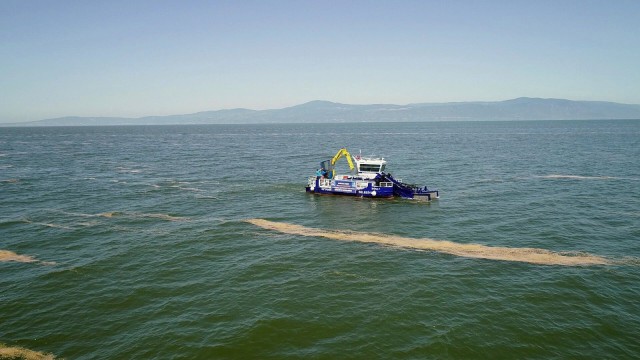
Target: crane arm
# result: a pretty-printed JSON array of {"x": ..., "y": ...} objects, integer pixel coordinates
[{"x": 343, "y": 152}]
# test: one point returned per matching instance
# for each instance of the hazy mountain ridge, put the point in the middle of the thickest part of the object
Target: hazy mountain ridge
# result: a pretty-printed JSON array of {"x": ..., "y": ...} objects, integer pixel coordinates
[{"x": 326, "y": 111}]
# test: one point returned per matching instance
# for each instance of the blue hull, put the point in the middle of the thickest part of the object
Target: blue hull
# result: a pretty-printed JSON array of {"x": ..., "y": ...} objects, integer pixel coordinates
[
  {"x": 350, "y": 188},
  {"x": 383, "y": 186}
]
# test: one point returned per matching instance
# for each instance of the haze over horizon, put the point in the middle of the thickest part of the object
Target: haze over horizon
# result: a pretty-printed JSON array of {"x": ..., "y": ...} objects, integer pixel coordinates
[{"x": 147, "y": 58}]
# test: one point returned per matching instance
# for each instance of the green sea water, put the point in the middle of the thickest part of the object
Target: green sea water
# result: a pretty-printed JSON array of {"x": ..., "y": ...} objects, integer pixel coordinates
[{"x": 135, "y": 244}]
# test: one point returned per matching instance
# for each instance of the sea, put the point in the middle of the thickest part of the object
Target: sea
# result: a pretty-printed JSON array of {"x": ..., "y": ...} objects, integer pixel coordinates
[{"x": 200, "y": 242}]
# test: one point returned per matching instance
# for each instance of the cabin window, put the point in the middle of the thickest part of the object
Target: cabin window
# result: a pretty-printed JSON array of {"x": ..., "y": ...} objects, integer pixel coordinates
[{"x": 369, "y": 168}]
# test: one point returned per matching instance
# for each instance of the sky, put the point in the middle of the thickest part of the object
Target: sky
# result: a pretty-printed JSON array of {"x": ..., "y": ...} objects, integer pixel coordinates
[{"x": 137, "y": 58}]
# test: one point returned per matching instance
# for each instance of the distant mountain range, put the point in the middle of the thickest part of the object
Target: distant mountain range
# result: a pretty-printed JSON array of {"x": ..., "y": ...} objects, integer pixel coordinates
[{"x": 326, "y": 111}]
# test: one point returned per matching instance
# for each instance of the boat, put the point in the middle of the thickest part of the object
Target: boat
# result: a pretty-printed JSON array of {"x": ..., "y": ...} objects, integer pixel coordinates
[{"x": 367, "y": 178}]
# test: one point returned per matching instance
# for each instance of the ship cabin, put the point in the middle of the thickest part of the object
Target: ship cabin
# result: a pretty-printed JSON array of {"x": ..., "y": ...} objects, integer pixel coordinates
[{"x": 369, "y": 167}]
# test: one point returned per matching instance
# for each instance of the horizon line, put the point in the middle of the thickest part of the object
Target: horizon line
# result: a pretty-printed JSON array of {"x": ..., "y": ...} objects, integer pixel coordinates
[{"x": 98, "y": 117}]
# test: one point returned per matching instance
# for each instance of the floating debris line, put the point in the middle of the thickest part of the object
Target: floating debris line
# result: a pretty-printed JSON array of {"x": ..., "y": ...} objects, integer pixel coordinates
[
  {"x": 15, "y": 352},
  {"x": 526, "y": 255},
  {"x": 6, "y": 256}
]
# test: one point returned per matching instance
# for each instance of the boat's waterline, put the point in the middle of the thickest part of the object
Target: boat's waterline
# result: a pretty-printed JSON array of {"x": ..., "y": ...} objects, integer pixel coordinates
[{"x": 526, "y": 255}]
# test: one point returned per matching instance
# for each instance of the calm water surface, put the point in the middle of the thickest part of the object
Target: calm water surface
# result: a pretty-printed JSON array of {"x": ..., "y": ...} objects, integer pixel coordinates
[{"x": 144, "y": 252}]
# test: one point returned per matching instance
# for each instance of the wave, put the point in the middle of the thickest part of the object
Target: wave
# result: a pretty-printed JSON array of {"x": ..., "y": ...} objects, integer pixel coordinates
[
  {"x": 162, "y": 217},
  {"x": 9, "y": 222},
  {"x": 166, "y": 217},
  {"x": 10, "y": 181},
  {"x": 112, "y": 214},
  {"x": 123, "y": 169},
  {"x": 51, "y": 225},
  {"x": 6, "y": 256},
  {"x": 526, "y": 255},
  {"x": 207, "y": 197},
  {"x": 576, "y": 177},
  {"x": 185, "y": 186}
]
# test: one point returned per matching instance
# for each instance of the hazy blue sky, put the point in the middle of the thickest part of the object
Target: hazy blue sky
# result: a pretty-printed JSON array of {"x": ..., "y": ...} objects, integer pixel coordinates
[{"x": 136, "y": 57}]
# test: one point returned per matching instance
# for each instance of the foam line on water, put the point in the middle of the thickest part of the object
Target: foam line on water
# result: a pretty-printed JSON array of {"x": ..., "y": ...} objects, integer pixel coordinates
[
  {"x": 166, "y": 217},
  {"x": 51, "y": 225},
  {"x": 526, "y": 255},
  {"x": 6, "y": 256},
  {"x": 576, "y": 177},
  {"x": 15, "y": 352}
]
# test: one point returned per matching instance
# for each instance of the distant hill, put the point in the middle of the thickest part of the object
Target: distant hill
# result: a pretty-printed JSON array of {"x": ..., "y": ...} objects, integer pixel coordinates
[{"x": 326, "y": 111}]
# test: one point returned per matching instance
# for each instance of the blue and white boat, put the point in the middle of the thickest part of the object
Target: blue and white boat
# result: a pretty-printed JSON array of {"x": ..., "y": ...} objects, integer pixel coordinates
[{"x": 366, "y": 179}]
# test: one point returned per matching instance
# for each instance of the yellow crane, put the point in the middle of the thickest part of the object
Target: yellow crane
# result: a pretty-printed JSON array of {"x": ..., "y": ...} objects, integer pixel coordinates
[{"x": 341, "y": 153}]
